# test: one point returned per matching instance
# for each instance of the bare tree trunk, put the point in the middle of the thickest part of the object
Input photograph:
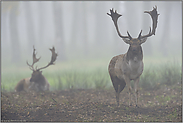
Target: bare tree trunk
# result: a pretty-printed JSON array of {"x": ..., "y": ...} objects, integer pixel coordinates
[
  {"x": 14, "y": 36},
  {"x": 84, "y": 20},
  {"x": 132, "y": 27},
  {"x": 100, "y": 24},
  {"x": 117, "y": 40},
  {"x": 75, "y": 26},
  {"x": 30, "y": 26},
  {"x": 59, "y": 30},
  {"x": 41, "y": 22},
  {"x": 166, "y": 30},
  {"x": 4, "y": 33}
]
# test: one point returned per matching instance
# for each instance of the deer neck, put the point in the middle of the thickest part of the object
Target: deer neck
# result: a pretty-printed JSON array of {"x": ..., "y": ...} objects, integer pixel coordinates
[
  {"x": 41, "y": 80},
  {"x": 134, "y": 56},
  {"x": 134, "y": 63}
]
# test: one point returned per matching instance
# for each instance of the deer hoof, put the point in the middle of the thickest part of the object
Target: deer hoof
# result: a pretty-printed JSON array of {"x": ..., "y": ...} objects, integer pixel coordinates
[{"x": 137, "y": 106}]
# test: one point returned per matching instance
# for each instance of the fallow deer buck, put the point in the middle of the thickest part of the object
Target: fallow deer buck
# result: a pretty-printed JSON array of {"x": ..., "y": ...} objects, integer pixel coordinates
[
  {"x": 129, "y": 66},
  {"x": 37, "y": 82}
]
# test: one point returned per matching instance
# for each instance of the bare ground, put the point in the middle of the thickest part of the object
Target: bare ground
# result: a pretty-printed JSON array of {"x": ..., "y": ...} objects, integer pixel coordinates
[{"x": 82, "y": 105}]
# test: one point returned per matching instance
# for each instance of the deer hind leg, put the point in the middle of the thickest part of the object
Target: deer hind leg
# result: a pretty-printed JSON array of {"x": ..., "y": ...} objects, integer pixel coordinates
[
  {"x": 117, "y": 95},
  {"x": 136, "y": 91},
  {"x": 118, "y": 86}
]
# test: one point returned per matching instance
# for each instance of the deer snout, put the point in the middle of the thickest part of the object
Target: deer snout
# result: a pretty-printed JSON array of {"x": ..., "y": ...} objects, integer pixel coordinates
[{"x": 134, "y": 48}]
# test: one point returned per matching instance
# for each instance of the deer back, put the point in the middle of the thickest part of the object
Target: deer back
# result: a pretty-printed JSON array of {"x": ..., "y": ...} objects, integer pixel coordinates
[
  {"x": 23, "y": 85},
  {"x": 27, "y": 85}
]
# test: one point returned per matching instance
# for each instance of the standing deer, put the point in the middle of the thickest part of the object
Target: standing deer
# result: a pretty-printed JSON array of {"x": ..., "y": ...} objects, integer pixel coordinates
[
  {"x": 37, "y": 82},
  {"x": 129, "y": 66}
]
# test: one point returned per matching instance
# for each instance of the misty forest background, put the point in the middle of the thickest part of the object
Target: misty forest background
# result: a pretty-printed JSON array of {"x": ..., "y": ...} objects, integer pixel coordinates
[{"x": 84, "y": 37}]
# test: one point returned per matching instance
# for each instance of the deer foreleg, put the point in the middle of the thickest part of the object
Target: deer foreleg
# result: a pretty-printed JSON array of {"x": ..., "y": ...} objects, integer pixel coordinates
[
  {"x": 127, "y": 80},
  {"x": 117, "y": 95},
  {"x": 136, "y": 90},
  {"x": 130, "y": 92}
]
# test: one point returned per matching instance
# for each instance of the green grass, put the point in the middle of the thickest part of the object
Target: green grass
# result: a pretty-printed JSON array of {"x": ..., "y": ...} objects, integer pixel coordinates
[
  {"x": 79, "y": 79},
  {"x": 88, "y": 74},
  {"x": 168, "y": 73},
  {"x": 9, "y": 80}
]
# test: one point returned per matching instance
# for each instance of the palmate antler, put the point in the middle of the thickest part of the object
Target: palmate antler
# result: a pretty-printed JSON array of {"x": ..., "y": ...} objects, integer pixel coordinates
[
  {"x": 154, "y": 16},
  {"x": 53, "y": 59},
  {"x": 34, "y": 60},
  {"x": 115, "y": 17}
]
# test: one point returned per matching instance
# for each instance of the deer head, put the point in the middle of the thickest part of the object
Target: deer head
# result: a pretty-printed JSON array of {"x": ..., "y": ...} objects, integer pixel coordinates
[
  {"x": 36, "y": 72},
  {"x": 135, "y": 43}
]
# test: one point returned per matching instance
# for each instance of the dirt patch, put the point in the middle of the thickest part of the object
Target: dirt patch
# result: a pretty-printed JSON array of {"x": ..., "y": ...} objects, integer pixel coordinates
[{"x": 91, "y": 105}]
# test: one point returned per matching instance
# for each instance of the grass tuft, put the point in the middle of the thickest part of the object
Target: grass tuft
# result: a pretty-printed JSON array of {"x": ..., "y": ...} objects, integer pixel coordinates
[{"x": 164, "y": 74}]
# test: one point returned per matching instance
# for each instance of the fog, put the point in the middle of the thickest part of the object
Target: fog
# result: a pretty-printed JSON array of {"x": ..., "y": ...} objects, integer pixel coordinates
[{"x": 83, "y": 30}]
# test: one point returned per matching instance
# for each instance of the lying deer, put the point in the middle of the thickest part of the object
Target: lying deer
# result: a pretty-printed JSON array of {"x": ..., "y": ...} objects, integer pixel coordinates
[
  {"x": 129, "y": 66},
  {"x": 37, "y": 82}
]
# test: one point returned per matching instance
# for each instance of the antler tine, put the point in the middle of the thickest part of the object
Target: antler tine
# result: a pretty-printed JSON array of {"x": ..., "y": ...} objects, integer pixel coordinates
[
  {"x": 114, "y": 15},
  {"x": 54, "y": 55},
  {"x": 129, "y": 35},
  {"x": 140, "y": 34},
  {"x": 53, "y": 58},
  {"x": 30, "y": 66},
  {"x": 154, "y": 16},
  {"x": 34, "y": 59}
]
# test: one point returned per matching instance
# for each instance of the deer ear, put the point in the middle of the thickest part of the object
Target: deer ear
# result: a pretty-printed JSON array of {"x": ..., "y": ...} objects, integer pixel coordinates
[
  {"x": 143, "y": 40},
  {"x": 126, "y": 40}
]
